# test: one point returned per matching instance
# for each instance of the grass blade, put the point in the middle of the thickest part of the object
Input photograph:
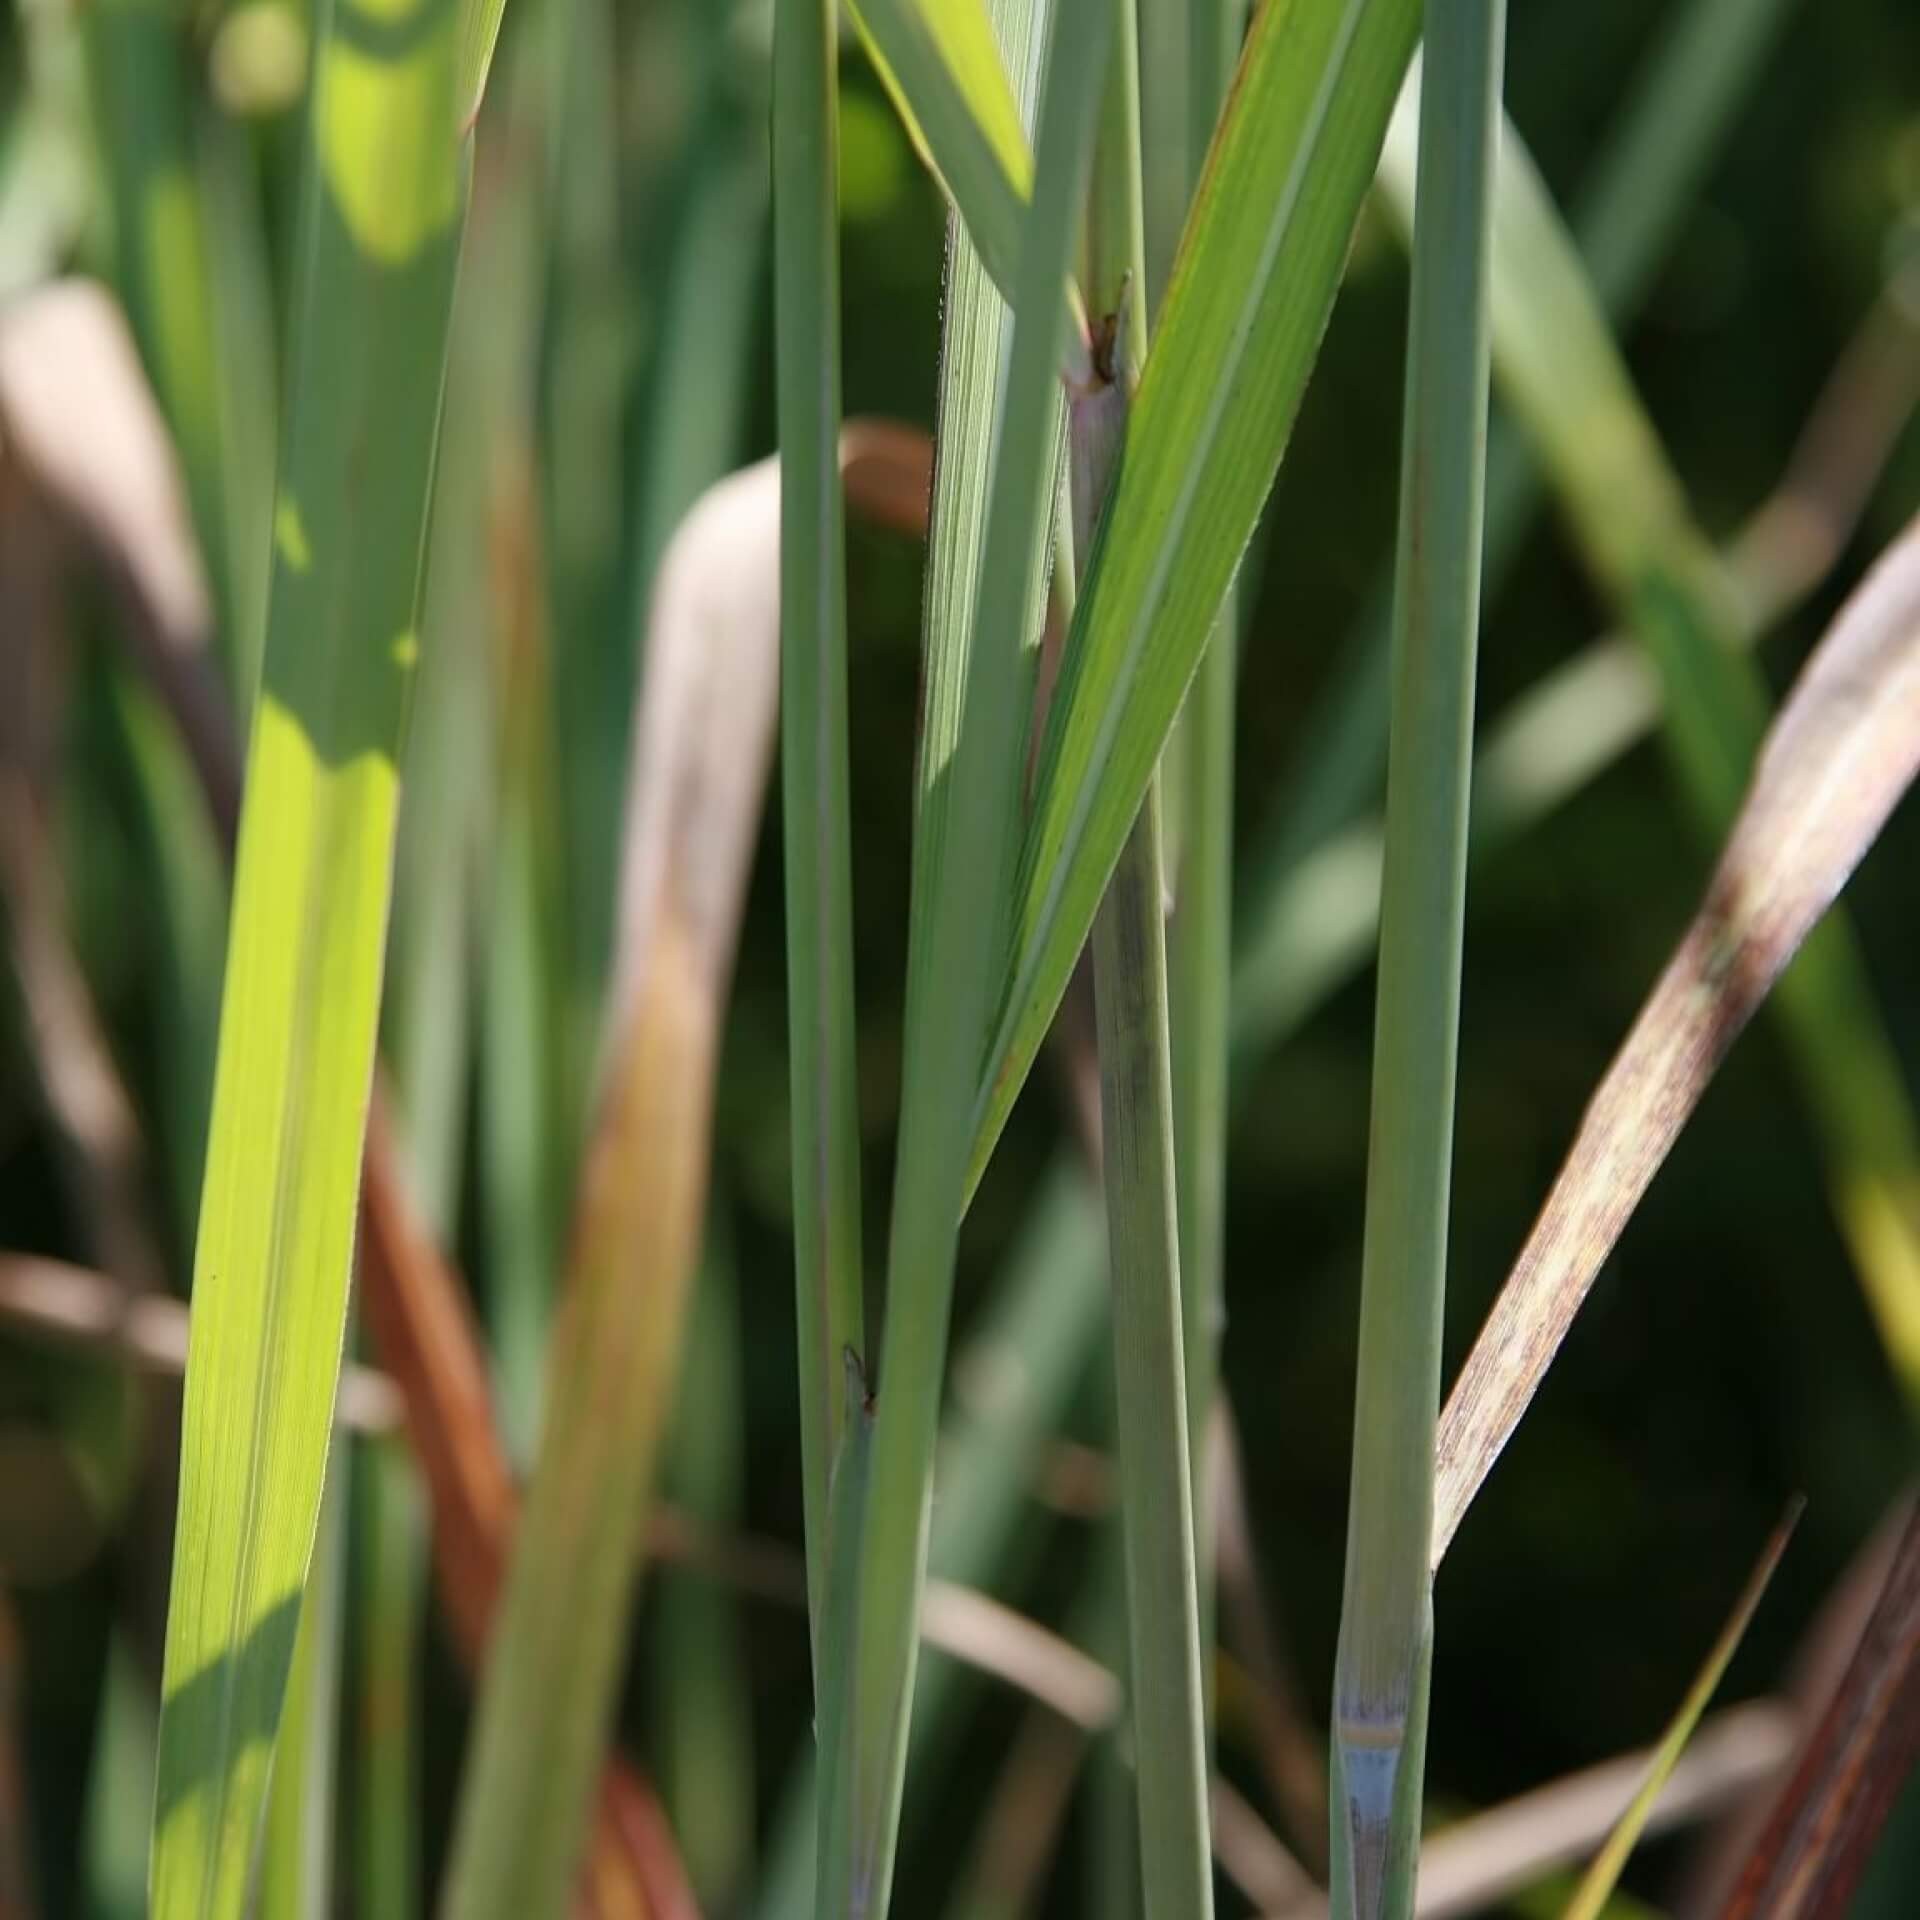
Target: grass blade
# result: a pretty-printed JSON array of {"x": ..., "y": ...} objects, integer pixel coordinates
[
  {"x": 1641, "y": 187},
  {"x": 941, "y": 63},
  {"x": 1167, "y": 1699},
  {"x": 818, "y": 844},
  {"x": 954, "y": 942},
  {"x": 296, "y": 1860},
  {"x": 703, "y": 1716},
  {"x": 976, "y": 340},
  {"x": 1250, "y": 294},
  {"x": 1597, "y": 1883},
  {"x": 1200, "y": 939},
  {"x": 423, "y": 1330},
  {"x": 1012, "y": 1382},
  {"x": 1821, "y": 1831},
  {"x": 522, "y": 1106},
  {"x": 380, "y": 226},
  {"x": 1163, "y": 1620},
  {"x": 1313, "y": 920},
  {"x": 1386, "y": 1625},
  {"x": 702, "y": 736},
  {"x": 388, "y": 1560},
  {"x": 1843, "y": 750},
  {"x": 1556, "y": 361},
  {"x": 120, "y": 1789}
]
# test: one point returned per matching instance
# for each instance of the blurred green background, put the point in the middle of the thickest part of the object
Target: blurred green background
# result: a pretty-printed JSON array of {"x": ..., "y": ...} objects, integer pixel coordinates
[{"x": 1726, "y": 1359}]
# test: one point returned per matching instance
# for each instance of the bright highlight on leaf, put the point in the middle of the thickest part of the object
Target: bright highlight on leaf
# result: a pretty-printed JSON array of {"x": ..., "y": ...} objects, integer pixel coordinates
[
  {"x": 304, "y": 960},
  {"x": 940, "y": 62}
]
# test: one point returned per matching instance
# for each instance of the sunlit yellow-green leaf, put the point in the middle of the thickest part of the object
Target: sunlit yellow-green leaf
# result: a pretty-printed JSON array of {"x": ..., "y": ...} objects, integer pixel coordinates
[
  {"x": 941, "y": 64},
  {"x": 378, "y": 239}
]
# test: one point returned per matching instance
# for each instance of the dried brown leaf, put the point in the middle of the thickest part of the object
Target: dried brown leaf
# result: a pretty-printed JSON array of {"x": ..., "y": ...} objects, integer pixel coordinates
[
  {"x": 1844, "y": 749},
  {"x": 1850, "y": 1771}
]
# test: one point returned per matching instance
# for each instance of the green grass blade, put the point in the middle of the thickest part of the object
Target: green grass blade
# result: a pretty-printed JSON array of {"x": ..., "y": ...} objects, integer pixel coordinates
[
  {"x": 1386, "y": 1622},
  {"x": 839, "y": 1715},
  {"x": 704, "y": 1736},
  {"x": 1704, "y": 66},
  {"x": 976, "y": 338},
  {"x": 1597, "y": 1883},
  {"x": 389, "y": 1566},
  {"x": 296, "y": 1859},
  {"x": 522, "y": 1133},
  {"x": 379, "y": 234},
  {"x": 1163, "y": 1620},
  {"x": 1258, "y": 267},
  {"x": 1012, "y": 1383},
  {"x": 1313, "y": 923},
  {"x": 703, "y": 732},
  {"x": 246, "y": 343},
  {"x": 954, "y": 948},
  {"x": 1641, "y": 187},
  {"x": 479, "y": 35},
  {"x": 940, "y": 61},
  {"x": 1629, "y": 514},
  {"x": 1845, "y": 747},
  {"x": 120, "y": 1789},
  {"x": 1200, "y": 939},
  {"x": 440, "y": 850},
  {"x": 1167, "y": 1699},
  {"x": 818, "y": 843},
  {"x": 593, "y": 317}
]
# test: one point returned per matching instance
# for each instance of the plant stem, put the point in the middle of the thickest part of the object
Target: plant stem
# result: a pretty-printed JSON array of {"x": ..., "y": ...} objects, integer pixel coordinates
[
  {"x": 1386, "y": 1632},
  {"x": 1170, "y": 1749},
  {"x": 813, "y": 748},
  {"x": 1201, "y": 937},
  {"x": 1136, "y": 1107},
  {"x": 956, "y": 951}
]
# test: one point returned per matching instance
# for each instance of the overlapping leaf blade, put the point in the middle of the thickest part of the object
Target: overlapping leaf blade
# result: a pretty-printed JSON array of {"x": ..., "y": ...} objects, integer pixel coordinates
[
  {"x": 380, "y": 225},
  {"x": 1251, "y": 291},
  {"x": 941, "y": 63}
]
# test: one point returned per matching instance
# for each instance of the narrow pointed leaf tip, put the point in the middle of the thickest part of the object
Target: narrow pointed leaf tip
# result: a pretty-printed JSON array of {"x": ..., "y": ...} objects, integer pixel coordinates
[
  {"x": 1844, "y": 749},
  {"x": 1597, "y": 1884},
  {"x": 1852, "y": 1768}
]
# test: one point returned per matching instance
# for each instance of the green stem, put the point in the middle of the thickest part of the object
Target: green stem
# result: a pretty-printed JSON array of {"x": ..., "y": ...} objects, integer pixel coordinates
[
  {"x": 1170, "y": 1747},
  {"x": 1136, "y": 1106},
  {"x": 1386, "y": 1631},
  {"x": 813, "y": 717},
  {"x": 955, "y": 952}
]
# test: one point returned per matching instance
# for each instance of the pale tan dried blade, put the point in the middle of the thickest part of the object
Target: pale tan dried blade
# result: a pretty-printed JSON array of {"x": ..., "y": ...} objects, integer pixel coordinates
[
  {"x": 80, "y": 418},
  {"x": 702, "y": 743},
  {"x": 416, "y": 1310},
  {"x": 75, "y": 1306},
  {"x": 79, "y": 421},
  {"x": 1842, "y": 752},
  {"x": 1485, "y": 1858},
  {"x": 703, "y": 740}
]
